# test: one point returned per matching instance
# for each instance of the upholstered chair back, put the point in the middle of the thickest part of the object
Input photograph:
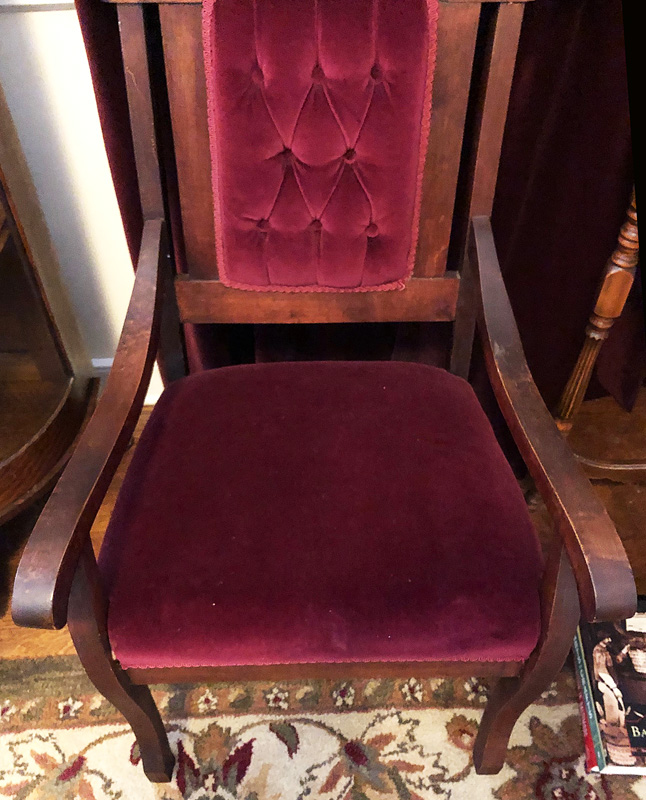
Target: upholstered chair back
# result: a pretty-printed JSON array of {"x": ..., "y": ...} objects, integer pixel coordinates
[
  {"x": 326, "y": 155},
  {"x": 318, "y": 113}
]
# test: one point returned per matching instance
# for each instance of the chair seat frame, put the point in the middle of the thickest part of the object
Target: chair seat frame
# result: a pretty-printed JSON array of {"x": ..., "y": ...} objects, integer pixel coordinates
[{"x": 587, "y": 573}]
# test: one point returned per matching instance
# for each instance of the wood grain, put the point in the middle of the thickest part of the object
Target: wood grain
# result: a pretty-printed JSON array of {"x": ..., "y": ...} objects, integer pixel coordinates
[
  {"x": 423, "y": 299},
  {"x": 181, "y": 27},
  {"x": 456, "y": 38},
  {"x": 87, "y": 620},
  {"x": 48, "y": 565},
  {"x": 496, "y": 88},
  {"x": 35, "y": 371},
  {"x": 605, "y": 581},
  {"x": 511, "y": 696},
  {"x": 140, "y": 106},
  {"x": 615, "y": 286},
  {"x": 493, "y": 72},
  {"x": 29, "y": 472},
  {"x": 610, "y": 443}
]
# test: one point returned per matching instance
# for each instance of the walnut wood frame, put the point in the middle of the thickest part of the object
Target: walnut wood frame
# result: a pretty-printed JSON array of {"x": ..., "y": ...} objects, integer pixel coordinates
[{"x": 587, "y": 571}]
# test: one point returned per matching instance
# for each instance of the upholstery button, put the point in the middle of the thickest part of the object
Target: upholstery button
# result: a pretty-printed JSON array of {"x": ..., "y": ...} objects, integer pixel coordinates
[
  {"x": 375, "y": 73},
  {"x": 317, "y": 73},
  {"x": 316, "y": 225},
  {"x": 287, "y": 155},
  {"x": 263, "y": 224},
  {"x": 349, "y": 154},
  {"x": 256, "y": 75},
  {"x": 372, "y": 230}
]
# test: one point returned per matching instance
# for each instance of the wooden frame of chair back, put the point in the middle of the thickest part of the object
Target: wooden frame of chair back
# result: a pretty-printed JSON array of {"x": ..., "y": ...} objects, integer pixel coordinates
[{"x": 587, "y": 572}]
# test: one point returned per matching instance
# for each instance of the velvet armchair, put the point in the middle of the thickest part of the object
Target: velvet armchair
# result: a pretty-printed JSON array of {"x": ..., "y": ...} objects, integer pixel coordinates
[{"x": 331, "y": 162}]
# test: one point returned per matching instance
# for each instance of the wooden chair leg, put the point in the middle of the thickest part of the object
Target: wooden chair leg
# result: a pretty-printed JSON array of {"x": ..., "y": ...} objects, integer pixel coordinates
[
  {"x": 511, "y": 696},
  {"x": 86, "y": 619}
]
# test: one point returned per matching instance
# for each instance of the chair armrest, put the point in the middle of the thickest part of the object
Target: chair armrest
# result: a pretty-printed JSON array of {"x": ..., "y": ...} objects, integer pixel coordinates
[
  {"x": 604, "y": 578},
  {"x": 47, "y": 567}
]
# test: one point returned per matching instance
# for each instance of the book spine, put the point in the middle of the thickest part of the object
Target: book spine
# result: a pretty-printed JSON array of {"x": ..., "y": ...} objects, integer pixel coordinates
[
  {"x": 588, "y": 701},
  {"x": 590, "y": 756}
]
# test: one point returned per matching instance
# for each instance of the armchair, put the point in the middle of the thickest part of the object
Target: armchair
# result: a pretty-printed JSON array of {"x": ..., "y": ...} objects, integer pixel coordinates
[{"x": 332, "y": 518}]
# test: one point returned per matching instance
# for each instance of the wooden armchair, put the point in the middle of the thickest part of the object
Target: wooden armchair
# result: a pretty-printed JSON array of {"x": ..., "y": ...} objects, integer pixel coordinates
[{"x": 321, "y": 518}]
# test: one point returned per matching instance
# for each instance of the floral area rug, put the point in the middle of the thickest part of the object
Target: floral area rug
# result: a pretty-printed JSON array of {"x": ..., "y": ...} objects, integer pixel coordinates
[{"x": 405, "y": 739}]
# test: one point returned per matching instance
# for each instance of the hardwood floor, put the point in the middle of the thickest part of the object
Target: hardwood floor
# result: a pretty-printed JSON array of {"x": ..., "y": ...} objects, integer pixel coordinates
[{"x": 602, "y": 430}]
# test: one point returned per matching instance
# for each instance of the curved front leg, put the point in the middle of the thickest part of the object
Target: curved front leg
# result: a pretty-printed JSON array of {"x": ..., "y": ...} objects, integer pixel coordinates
[
  {"x": 86, "y": 619},
  {"x": 511, "y": 696}
]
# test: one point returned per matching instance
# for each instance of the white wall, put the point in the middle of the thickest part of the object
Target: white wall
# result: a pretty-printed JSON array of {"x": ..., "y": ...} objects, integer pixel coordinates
[{"x": 46, "y": 81}]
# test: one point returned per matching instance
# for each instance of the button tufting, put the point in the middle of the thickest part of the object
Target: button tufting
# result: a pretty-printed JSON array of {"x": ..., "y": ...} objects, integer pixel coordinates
[
  {"x": 317, "y": 73},
  {"x": 287, "y": 155},
  {"x": 320, "y": 143}
]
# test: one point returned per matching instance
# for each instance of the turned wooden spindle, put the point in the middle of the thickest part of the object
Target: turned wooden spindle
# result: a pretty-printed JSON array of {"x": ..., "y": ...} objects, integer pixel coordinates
[{"x": 617, "y": 280}]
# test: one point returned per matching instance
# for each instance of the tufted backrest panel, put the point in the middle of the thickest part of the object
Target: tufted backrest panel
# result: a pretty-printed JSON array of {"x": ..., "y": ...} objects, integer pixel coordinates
[{"x": 318, "y": 115}]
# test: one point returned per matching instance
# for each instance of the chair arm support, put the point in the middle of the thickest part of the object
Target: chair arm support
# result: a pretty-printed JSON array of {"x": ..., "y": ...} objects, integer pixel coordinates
[
  {"x": 603, "y": 575},
  {"x": 47, "y": 567}
]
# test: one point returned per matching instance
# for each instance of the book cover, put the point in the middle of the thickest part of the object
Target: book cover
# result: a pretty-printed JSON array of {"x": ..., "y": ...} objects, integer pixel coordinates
[
  {"x": 610, "y": 661},
  {"x": 591, "y": 763}
]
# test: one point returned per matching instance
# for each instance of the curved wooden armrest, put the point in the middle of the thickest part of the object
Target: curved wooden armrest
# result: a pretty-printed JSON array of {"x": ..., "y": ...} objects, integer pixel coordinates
[
  {"x": 47, "y": 567},
  {"x": 603, "y": 574}
]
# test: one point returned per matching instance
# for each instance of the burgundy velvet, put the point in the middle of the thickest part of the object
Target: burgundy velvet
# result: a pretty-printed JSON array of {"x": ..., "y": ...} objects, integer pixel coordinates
[
  {"x": 318, "y": 116},
  {"x": 320, "y": 512}
]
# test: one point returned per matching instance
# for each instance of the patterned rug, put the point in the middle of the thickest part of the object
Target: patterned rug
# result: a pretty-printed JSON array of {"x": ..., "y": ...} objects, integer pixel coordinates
[{"x": 405, "y": 739}]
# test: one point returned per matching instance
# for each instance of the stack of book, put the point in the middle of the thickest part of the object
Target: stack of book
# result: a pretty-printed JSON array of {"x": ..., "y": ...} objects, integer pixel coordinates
[{"x": 610, "y": 662}]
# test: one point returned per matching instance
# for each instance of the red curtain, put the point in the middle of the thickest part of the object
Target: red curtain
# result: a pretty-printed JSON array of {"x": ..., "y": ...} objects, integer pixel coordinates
[{"x": 563, "y": 189}]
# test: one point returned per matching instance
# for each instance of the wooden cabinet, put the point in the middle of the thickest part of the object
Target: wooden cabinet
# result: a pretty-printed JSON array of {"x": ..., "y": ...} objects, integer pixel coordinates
[{"x": 43, "y": 400}]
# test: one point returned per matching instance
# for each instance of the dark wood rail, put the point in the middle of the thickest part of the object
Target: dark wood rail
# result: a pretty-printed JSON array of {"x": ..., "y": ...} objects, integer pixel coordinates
[
  {"x": 423, "y": 299},
  {"x": 603, "y": 575}
]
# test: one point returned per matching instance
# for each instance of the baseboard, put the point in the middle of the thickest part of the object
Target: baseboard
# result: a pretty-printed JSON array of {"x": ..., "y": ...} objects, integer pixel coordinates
[{"x": 101, "y": 369}]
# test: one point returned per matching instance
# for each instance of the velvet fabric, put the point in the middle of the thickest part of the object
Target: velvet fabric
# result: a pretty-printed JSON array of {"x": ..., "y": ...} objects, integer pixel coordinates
[
  {"x": 320, "y": 512},
  {"x": 319, "y": 113},
  {"x": 565, "y": 177}
]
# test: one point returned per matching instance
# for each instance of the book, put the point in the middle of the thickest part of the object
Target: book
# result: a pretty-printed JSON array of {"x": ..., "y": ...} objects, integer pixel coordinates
[
  {"x": 610, "y": 666},
  {"x": 591, "y": 763}
]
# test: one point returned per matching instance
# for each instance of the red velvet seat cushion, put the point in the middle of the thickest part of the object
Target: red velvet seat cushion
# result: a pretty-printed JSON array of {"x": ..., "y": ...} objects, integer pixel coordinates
[
  {"x": 319, "y": 113},
  {"x": 320, "y": 512}
]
